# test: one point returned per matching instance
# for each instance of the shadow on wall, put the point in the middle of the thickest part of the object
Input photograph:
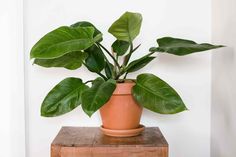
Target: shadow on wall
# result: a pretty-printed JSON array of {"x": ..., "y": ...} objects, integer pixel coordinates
[{"x": 223, "y": 116}]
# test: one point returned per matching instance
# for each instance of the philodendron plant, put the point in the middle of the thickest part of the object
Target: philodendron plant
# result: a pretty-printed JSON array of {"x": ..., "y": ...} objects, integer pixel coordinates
[{"x": 80, "y": 44}]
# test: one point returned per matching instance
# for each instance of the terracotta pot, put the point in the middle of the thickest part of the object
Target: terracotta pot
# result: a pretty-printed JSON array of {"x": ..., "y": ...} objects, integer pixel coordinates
[{"x": 121, "y": 112}]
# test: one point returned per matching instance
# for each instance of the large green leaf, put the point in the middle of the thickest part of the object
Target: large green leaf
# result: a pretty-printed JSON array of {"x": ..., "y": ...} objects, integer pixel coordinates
[
  {"x": 87, "y": 24},
  {"x": 96, "y": 96},
  {"x": 181, "y": 47},
  {"x": 138, "y": 64},
  {"x": 156, "y": 95},
  {"x": 63, "y": 98},
  {"x": 95, "y": 61},
  {"x": 109, "y": 70},
  {"x": 120, "y": 47},
  {"x": 69, "y": 61},
  {"x": 127, "y": 27},
  {"x": 62, "y": 41}
]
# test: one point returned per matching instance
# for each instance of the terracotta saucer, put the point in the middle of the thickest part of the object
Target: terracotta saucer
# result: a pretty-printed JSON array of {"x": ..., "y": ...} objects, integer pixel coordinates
[{"x": 123, "y": 133}]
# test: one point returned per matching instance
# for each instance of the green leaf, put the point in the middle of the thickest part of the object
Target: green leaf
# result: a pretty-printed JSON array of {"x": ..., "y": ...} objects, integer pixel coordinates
[
  {"x": 62, "y": 41},
  {"x": 120, "y": 47},
  {"x": 95, "y": 62},
  {"x": 96, "y": 96},
  {"x": 181, "y": 47},
  {"x": 108, "y": 70},
  {"x": 156, "y": 95},
  {"x": 63, "y": 98},
  {"x": 87, "y": 24},
  {"x": 127, "y": 27},
  {"x": 138, "y": 64},
  {"x": 69, "y": 61}
]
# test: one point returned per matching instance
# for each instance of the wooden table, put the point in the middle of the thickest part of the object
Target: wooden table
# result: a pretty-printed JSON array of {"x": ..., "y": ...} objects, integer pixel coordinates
[{"x": 90, "y": 142}]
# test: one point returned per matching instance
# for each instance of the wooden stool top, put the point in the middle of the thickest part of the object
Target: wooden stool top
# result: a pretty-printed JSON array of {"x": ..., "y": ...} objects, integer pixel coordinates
[
  {"x": 91, "y": 142},
  {"x": 93, "y": 137}
]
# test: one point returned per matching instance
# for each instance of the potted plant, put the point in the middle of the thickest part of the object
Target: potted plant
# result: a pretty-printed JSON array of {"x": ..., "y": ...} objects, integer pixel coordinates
[{"x": 120, "y": 100}]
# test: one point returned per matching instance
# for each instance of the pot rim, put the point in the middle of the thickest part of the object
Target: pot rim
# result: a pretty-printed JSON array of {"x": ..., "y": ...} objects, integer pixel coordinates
[
  {"x": 126, "y": 81},
  {"x": 124, "y": 88}
]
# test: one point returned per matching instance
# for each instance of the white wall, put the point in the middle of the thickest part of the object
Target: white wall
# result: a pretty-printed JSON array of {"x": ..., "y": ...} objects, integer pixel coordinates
[
  {"x": 12, "y": 128},
  {"x": 223, "y": 125},
  {"x": 188, "y": 133}
]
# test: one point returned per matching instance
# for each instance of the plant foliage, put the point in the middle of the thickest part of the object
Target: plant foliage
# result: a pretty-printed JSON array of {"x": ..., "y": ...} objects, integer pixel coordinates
[{"x": 80, "y": 44}]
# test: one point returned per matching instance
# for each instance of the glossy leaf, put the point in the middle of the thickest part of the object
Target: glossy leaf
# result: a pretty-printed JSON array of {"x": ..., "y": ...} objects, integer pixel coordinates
[
  {"x": 69, "y": 61},
  {"x": 127, "y": 27},
  {"x": 95, "y": 62},
  {"x": 139, "y": 63},
  {"x": 120, "y": 47},
  {"x": 63, "y": 98},
  {"x": 87, "y": 24},
  {"x": 62, "y": 41},
  {"x": 181, "y": 47},
  {"x": 96, "y": 96},
  {"x": 156, "y": 95},
  {"x": 109, "y": 70}
]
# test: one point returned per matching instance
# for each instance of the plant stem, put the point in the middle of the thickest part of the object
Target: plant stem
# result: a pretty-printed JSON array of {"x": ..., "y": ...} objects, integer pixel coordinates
[
  {"x": 125, "y": 75},
  {"x": 115, "y": 65},
  {"x": 124, "y": 71},
  {"x": 136, "y": 47},
  {"x": 116, "y": 62},
  {"x": 129, "y": 54},
  {"x": 108, "y": 63},
  {"x": 88, "y": 81},
  {"x": 119, "y": 74},
  {"x": 103, "y": 76},
  {"x": 116, "y": 69},
  {"x": 99, "y": 73},
  {"x": 149, "y": 54}
]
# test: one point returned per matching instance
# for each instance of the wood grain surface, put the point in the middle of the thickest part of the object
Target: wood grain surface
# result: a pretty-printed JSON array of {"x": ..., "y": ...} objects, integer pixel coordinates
[{"x": 90, "y": 142}]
